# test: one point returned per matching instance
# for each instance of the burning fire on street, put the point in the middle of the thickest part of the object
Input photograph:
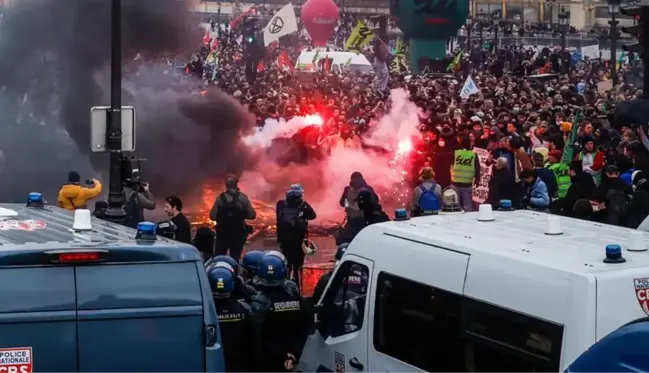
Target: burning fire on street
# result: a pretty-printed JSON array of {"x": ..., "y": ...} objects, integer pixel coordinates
[{"x": 265, "y": 223}]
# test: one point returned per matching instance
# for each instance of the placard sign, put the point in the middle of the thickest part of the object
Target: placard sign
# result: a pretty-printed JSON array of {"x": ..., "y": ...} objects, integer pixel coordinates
[{"x": 16, "y": 360}]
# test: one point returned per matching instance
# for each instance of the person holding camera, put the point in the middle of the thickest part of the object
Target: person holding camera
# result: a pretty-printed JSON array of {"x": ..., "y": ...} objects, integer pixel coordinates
[
  {"x": 138, "y": 197},
  {"x": 73, "y": 196}
]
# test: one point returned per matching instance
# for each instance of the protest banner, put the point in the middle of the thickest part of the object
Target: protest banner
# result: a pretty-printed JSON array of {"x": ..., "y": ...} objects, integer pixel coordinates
[{"x": 481, "y": 191}]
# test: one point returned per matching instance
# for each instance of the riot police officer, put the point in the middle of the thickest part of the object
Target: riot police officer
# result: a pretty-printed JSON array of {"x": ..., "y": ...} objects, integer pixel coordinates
[
  {"x": 249, "y": 265},
  {"x": 242, "y": 290},
  {"x": 235, "y": 321},
  {"x": 285, "y": 322}
]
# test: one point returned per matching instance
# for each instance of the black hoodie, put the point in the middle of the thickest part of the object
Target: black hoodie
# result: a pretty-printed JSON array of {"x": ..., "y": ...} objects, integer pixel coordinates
[
  {"x": 639, "y": 205},
  {"x": 582, "y": 187}
]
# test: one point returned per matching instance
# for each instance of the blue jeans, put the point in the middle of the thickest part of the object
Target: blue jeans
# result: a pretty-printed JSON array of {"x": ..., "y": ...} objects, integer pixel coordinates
[{"x": 465, "y": 194}]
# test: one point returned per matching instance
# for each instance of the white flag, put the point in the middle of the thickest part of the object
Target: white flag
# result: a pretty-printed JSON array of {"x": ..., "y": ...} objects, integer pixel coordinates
[
  {"x": 282, "y": 23},
  {"x": 469, "y": 88}
]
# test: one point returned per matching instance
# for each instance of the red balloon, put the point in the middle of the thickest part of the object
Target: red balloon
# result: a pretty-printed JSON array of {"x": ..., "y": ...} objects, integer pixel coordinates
[{"x": 320, "y": 18}]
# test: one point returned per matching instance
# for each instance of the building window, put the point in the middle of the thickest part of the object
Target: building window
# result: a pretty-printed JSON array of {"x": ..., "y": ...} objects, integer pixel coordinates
[
  {"x": 344, "y": 302},
  {"x": 506, "y": 341},
  {"x": 418, "y": 324}
]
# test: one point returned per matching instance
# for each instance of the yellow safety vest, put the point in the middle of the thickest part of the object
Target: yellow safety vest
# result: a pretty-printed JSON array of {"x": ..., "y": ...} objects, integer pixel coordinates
[
  {"x": 463, "y": 169},
  {"x": 562, "y": 174}
]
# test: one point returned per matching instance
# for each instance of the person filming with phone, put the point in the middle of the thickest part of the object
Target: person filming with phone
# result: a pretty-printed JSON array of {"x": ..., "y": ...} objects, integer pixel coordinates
[
  {"x": 73, "y": 196},
  {"x": 138, "y": 197}
]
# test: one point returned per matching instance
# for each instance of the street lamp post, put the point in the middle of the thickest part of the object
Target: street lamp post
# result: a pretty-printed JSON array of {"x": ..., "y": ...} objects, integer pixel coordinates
[
  {"x": 116, "y": 197},
  {"x": 564, "y": 25},
  {"x": 469, "y": 26},
  {"x": 613, "y": 8}
]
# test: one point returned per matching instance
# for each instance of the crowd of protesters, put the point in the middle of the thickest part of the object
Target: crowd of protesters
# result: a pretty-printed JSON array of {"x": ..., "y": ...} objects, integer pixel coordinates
[
  {"x": 545, "y": 119},
  {"x": 524, "y": 121}
]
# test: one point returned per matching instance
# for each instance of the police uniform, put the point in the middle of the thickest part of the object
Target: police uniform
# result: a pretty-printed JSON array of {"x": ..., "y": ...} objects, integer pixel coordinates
[
  {"x": 237, "y": 332},
  {"x": 244, "y": 289},
  {"x": 284, "y": 325}
]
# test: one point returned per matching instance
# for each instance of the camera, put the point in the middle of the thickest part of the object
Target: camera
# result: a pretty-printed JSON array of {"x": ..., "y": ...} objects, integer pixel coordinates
[{"x": 131, "y": 171}]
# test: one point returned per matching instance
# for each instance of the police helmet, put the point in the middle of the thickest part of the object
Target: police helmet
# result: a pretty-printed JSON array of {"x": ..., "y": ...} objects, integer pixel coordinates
[
  {"x": 277, "y": 254},
  {"x": 341, "y": 251},
  {"x": 166, "y": 229},
  {"x": 272, "y": 268},
  {"x": 222, "y": 265},
  {"x": 295, "y": 190},
  {"x": 221, "y": 281},
  {"x": 250, "y": 261},
  {"x": 227, "y": 259}
]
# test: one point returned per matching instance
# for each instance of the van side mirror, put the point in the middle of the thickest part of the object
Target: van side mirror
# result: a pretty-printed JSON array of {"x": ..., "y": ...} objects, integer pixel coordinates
[{"x": 320, "y": 321}]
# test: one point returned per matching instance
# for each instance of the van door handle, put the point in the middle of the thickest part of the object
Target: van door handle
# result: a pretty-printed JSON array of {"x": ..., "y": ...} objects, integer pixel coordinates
[{"x": 356, "y": 364}]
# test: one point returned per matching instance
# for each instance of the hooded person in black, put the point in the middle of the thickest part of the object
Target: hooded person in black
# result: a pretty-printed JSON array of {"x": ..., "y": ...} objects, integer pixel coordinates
[
  {"x": 372, "y": 211},
  {"x": 582, "y": 187},
  {"x": 230, "y": 211},
  {"x": 204, "y": 242},
  {"x": 501, "y": 184},
  {"x": 612, "y": 195},
  {"x": 349, "y": 200},
  {"x": 639, "y": 205}
]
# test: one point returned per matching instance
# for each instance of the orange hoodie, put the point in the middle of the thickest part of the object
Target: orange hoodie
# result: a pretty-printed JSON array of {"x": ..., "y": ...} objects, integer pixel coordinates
[{"x": 74, "y": 196}]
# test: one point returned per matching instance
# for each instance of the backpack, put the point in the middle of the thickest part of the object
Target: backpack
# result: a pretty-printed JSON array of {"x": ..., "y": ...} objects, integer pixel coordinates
[
  {"x": 616, "y": 201},
  {"x": 134, "y": 214},
  {"x": 230, "y": 216},
  {"x": 291, "y": 222},
  {"x": 428, "y": 201}
]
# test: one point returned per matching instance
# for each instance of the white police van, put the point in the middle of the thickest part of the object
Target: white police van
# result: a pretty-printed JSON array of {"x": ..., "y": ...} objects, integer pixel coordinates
[{"x": 490, "y": 291}]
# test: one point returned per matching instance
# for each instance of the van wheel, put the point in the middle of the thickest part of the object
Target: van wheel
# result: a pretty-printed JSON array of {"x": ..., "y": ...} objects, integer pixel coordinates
[{"x": 469, "y": 357}]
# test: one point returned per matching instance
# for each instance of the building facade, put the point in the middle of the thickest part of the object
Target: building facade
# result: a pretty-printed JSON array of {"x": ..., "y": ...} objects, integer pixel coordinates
[{"x": 583, "y": 14}]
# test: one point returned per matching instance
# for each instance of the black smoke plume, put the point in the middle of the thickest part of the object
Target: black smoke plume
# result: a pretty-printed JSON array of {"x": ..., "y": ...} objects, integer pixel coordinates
[{"x": 54, "y": 68}]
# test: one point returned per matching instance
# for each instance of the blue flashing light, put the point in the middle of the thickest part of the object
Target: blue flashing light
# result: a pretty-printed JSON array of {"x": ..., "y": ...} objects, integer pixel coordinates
[
  {"x": 614, "y": 254},
  {"x": 35, "y": 200},
  {"x": 505, "y": 204},
  {"x": 146, "y": 231},
  {"x": 401, "y": 214}
]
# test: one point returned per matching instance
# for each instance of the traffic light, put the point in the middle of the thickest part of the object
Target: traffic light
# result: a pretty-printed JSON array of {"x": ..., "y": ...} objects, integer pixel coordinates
[{"x": 641, "y": 16}]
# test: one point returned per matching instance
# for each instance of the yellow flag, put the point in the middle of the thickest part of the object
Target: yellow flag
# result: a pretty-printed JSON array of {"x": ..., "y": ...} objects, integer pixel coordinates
[
  {"x": 211, "y": 58},
  {"x": 455, "y": 64},
  {"x": 315, "y": 56},
  {"x": 400, "y": 49},
  {"x": 360, "y": 37},
  {"x": 399, "y": 61}
]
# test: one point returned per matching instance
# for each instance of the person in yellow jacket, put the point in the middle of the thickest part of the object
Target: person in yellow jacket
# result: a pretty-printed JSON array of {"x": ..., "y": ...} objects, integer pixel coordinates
[
  {"x": 73, "y": 196},
  {"x": 465, "y": 173}
]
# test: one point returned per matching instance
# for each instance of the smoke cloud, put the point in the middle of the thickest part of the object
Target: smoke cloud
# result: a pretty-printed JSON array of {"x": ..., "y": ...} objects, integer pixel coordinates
[
  {"x": 55, "y": 68},
  {"x": 325, "y": 180}
]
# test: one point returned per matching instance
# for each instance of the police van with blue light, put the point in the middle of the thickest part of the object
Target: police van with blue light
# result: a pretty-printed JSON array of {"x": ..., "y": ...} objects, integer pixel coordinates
[
  {"x": 83, "y": 294},
  {"x": 502, "y": 290}
]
